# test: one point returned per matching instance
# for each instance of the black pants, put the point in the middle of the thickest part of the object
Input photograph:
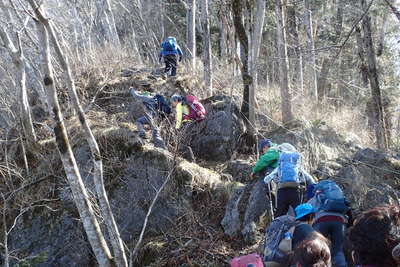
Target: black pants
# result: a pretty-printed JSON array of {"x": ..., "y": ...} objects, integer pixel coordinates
[
  {"x": 171, "y": 62},
  {"x": 287, "y": 197}
]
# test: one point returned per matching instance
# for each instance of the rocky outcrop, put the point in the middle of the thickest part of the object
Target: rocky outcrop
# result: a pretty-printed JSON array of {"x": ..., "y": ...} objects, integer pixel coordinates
[
  {"x": 240, "y": 169},
  {"x": 55, "y": 237},
  {"x": 218, "y": 136},
  {"x": 245, "y": 210}
]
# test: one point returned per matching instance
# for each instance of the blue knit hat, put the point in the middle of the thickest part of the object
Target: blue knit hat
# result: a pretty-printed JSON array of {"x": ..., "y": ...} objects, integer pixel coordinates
[
  {"x": 303, "y": 210},
  {"x": 263, "y": 143}
]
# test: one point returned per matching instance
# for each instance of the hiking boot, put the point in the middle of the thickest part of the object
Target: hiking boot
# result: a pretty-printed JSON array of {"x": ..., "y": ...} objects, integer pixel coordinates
[
  {"x": 142, "y": 134},
  {"x": 157, "y": 140}
]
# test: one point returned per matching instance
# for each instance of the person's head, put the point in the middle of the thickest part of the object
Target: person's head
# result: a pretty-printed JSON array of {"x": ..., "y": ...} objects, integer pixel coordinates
[
  {"x": 305, "y": 213},
  {"x": 264, "y": 145},
  {"x": 313, "y": 252},
  {"x": 374, "y": 236},
  {"x": 175, "y": 99}
]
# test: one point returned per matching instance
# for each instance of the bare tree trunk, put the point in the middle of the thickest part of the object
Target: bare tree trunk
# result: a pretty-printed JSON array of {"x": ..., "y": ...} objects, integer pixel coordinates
[
  {"x": 207, "y": 46},
  {"x": 361, "y": 55},
  {"x": 19, "y": 60},
  {"x": 192, "y": 33},
  {"x": 287, "y": 113},
  {"x": 327, "y": 61},
  {"x": 255, "y": 46},
  {"x": 311, "y": 67},
  {"x": 107, "y": 21},
  {"x": 382, "y": 33},
  {"x": 116, "y": 240},
  {"x": 294, "y": 54},
  {"x": 243, "y": 39},
  {"x": 380, "y": 130},
  {"x": 223, "y": 38},
  {"x": 80, "y": 194}
]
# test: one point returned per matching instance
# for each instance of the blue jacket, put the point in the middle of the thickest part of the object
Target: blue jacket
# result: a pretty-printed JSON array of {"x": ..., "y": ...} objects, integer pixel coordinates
[{"x": 177, "y": 51}]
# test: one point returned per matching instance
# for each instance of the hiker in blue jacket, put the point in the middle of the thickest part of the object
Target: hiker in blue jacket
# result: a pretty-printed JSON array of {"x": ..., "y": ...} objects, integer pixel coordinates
[
  {"x": 156, "y": 109},
  {"x": 289, "y": 175},
  {"x": 333, "y": 213},
  {"x": 170, "y": 51}
]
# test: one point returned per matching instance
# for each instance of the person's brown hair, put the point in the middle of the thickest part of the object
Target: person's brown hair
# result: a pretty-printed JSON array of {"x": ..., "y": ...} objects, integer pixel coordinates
[
  {"x": 374, "y": 235},
  {"x": 313, "y": 252}
]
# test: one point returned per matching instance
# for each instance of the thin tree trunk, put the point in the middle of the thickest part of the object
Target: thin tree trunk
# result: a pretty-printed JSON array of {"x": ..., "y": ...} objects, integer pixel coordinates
[
  {"x": 243, "y": 39},
  {"x": 286, "y": 102},
  {"x": 380, "y": 130},
  {"x": 255, "y": 46},
  {"x": 80, "y": 194},
  {"x": 382, "y": 33},
  {"x": 207, "y": 47},
  {"x": 116, "y": 240},
  {"x": 293, "y": 44},
  {"x": 361, "y": 55},
  {"x": 19, "y": 60},
  {"x": 327, "y": 61},
  {"x": 223, "y": 37},
  {"x": 106, "y": 18},
  {"x": 311, "y": 67},
  {"x": 192, "y": 34}
]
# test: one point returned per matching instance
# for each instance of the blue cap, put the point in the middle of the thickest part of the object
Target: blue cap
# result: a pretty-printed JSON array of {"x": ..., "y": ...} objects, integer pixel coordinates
[
  {"x": 263, "y": 143},
  {"x": 303, "y": 210}
]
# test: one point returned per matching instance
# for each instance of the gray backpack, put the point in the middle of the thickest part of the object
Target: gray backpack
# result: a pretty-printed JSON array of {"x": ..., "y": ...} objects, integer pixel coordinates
[{"x": 275, "y": 251}]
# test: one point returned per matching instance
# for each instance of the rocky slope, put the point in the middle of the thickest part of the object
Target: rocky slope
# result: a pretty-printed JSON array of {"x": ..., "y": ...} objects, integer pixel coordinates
[{"x": 209, "y": 211}]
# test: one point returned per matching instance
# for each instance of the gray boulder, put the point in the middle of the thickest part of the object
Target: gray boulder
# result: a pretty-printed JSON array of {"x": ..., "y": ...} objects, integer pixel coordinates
[
  {"x": 218, "y": 136},
  {"x": 239, "y": 169},
  {"x": 246, "y": 210},
  {"x": 57, "y": 238}
]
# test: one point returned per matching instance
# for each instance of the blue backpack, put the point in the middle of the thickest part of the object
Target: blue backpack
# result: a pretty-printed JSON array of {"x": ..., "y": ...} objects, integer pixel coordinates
[
  {"x": 288, "y": 167},
  {"x": 330, "y": 197},
  {"x": 169, "y": 45},
  {"x": 162, "y": 105}
]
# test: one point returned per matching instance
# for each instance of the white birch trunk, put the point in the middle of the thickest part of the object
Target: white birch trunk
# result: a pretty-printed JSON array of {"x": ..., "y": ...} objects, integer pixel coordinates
[
  {"x": 207, "y": 46},
  {"x": 19, "y": 60},
  {"x": 116, "y": 240},
  {"x": 78, "y": 189}
]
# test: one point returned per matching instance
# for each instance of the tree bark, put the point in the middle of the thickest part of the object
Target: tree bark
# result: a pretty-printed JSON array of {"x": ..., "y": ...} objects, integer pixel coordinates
[
  {"x": 286, "y": 101},
  {"x": 327, "y": 61},
  {"x": 294, "y": 54},
  {"x": 192, "y": 34},
  {"x": 243, "y": 39},
  {"x": 255, "y": 46},
  {"x": 222, "y": 37},
  {"x": 380, "y": 130},
  {"x": 361, "y": 55},
  {"x": 207, "y": 47},
  {"x": 311, "y": 67},
  {"x": 80, "y": 194}
]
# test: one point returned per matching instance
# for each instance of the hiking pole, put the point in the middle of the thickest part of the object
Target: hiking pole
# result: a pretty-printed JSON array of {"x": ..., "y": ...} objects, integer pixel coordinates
[{"x": 270, "y": 201}]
